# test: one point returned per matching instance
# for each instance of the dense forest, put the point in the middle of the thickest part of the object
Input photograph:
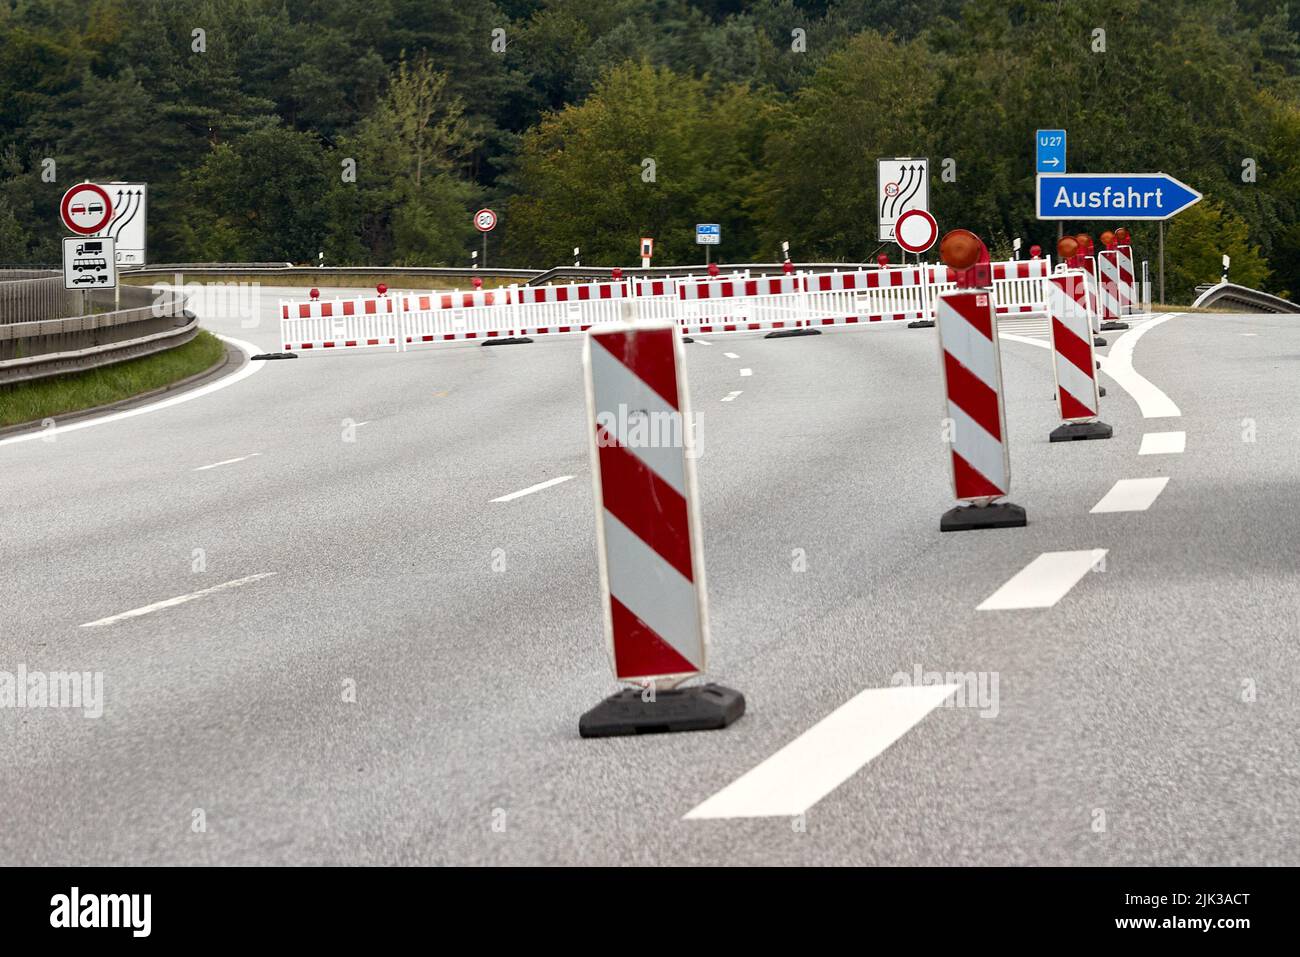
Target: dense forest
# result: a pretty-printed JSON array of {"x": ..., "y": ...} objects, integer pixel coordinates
[{"x": 370, "y": 130}]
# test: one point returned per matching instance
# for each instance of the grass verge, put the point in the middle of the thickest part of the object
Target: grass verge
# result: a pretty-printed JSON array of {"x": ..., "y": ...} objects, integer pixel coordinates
[{"x": 76, "y": 391}]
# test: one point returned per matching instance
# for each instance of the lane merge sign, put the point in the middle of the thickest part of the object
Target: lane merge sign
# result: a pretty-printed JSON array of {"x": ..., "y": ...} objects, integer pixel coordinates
[
  {"x": 916, "y": 231},
  {"x": 485, "y": 220},
  {"x": 1049, "y": 151},
  {"x": 1084, "y": 196},
  {"x": 85, "y": 209},
  {"x": 902, "y": 183},
  {"x": 708, "y": 234}
]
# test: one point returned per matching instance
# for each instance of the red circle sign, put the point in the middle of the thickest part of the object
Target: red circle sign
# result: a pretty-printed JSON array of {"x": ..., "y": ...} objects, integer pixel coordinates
[
  {"x": 916, "y": 231},
  {"x": 485, "y": 220},
  {"x": 86, "y": 209}
]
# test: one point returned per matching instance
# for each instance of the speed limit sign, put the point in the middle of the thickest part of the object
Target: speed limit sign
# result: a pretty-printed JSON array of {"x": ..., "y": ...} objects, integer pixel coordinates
[{"x": 485, "y": 220}]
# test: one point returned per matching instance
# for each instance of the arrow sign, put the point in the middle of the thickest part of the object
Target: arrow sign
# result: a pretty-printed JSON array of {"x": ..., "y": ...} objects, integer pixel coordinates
[
  {"x": 1049, "y": 147},
  {"x": 1084, "y": 196}
]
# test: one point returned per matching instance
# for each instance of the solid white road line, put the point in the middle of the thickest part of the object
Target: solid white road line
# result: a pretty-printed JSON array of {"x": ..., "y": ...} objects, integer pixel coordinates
[
  {"x": 1248, "y": 333},
  {"x": 204, "y": 468},
  {"x": 731, "y": 355},
  {"x": 826, "y": 755},
  {"x": 1131, "y": 495},
  {"x": 533, "y": 488},
  {"x": 731, "y": 396},
  {"x": 1119, "y": 366},
  {"x": 222, "y": 383},
  {"x": 178, "y": 600},
  {"x": 1163, "y": 443},
  {"x": 1044, "y": 581},
  {"x": 746, "y": 371}
]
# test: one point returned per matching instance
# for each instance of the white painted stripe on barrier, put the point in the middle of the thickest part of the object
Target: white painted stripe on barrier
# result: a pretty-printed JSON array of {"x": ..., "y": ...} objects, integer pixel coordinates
[
  {"x": 814, "y": 764},
  {"x": 661, "y": 420}
]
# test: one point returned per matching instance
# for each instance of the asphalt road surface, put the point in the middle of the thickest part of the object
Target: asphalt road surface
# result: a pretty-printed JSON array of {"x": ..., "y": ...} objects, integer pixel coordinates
[{"x": 1146, "y": 712}]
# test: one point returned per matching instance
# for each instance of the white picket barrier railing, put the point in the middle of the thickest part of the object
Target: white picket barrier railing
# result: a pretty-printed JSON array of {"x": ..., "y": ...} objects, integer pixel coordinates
[{"x": 716, "y": 304}]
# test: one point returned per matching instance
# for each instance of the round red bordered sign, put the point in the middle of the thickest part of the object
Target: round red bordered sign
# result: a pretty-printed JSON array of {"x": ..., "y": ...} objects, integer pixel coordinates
[
  {"x": 485, "y": 220},
  {"x": 916, "y": 231},
  {"x": 85, "y": 209}
]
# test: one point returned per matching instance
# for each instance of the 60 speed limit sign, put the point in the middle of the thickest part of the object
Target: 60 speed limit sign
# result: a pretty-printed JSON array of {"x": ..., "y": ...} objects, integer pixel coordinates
[{"x": 485, "y": 220}]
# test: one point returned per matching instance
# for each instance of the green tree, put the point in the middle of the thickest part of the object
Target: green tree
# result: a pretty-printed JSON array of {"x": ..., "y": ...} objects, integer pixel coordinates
[{"x": 1195, "y": 244}]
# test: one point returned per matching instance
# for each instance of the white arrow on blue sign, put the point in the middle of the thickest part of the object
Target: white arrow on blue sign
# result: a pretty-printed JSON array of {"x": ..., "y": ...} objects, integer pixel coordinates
[
  {"x": 708, "y": 234},
  {"x": 1112, "y": 196},
  {"x": 1049, "y": 151}
]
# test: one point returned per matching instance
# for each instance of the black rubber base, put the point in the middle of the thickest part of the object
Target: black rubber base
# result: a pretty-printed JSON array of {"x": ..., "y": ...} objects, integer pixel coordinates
[
  {"x": 1099, "y": 341},
  {"x": 791, "y": 333},
  {"x": 687, "y": 339},
  {"x": 695, "y": 708},
  {"x": 1077, "y": 431},
  {"x": 998, "y": 515},
  {"x": 921, "y": 324},
  {"x": 1113, "y": 326},
  {"x": 508, "y": 341},
  {"x": 277, "y": 355},
  {"x": 1101, "y": 391}
]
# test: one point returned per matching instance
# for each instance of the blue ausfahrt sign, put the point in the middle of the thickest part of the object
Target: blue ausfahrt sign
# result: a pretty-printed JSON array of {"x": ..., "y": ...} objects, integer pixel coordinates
[{"x": 1112, "y": 196}]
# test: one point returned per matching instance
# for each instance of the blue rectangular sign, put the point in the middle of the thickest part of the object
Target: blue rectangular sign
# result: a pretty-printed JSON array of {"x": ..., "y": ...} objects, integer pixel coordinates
[
  {"x": 1084, "y": 196},
  {"x": 708, "y": 234},
  {"x": 1049, "y": 151}
]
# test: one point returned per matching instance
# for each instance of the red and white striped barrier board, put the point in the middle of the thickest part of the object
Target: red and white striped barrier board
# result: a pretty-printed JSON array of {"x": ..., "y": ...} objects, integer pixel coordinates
[
  {"x": 972, "y": 375},
  {"x": 866, "y": 295},
  {"x": 733, "y": 288},
  {"x": 1128, "y": 297},
  {"x": 1093, "y": 297},
  {"x": 1109, "y": 285},
  {"x": 741, "y": 304},
  {"x": 1072, "y": 352},
  {"x": 451, "y": 316},
  {"x": 348, "y": 324},
  {"x": 652, "y": 573}
]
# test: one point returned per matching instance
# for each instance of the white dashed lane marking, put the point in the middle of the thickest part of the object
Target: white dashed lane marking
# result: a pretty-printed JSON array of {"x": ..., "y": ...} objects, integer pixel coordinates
[
  {"x": 204, "y": 468},
  {"x": 731, "y": 355},
  {"x": 1131, "y": 495},
  {"x": 173, "y": 602},
  {"x": 731, "y": 396},
  {"x": 1163, "y": 443},
  {"x": 746, "y": 371},
  {"x": 826, "y": 755},
  {"x": 1044, "y": 581},
  {"x": 533, "y": 488}
]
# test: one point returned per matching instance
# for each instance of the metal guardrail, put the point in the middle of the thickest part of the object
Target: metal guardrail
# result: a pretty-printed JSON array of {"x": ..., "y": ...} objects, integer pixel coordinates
[
  {"x": 1253, "y": 300},
  {"x": 39, "y": 344}
]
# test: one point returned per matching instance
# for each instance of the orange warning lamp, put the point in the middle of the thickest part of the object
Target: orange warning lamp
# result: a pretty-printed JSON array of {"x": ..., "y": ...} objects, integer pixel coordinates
[
  {"x": 478, "y": 282},
  {"x": 882, "y": 260},
  {"x": 1107, "y": 239},
  {"x": 1122, "y": 236},
  {"x": 1036, "y": 251},
  {"x": 1067, "y": 247},
  {"x": 1085, "y": 243},
  {"x": 713, "y": 269},
  {"x": 314, "y": 293},
  {"x": 382, "y": 288},
  {"x": 787, "y": 267},
  {"x": 965, "y": 253}
]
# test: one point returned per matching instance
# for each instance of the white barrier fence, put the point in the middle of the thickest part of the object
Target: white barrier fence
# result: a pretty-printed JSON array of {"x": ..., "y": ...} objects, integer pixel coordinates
[{"x": 735, "y": 303}]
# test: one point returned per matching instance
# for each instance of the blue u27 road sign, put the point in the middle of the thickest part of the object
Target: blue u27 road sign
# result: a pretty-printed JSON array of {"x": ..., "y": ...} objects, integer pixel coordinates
[
  {"x": 1112, "y": 196},
  {"x": 1049, "y": 151}
]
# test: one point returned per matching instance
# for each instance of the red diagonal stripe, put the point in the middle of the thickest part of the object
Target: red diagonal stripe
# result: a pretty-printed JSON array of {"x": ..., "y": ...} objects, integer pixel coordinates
[
  {"x": 1072, "y": 408},
  {"x": 972, "y": 396},
  {"x": 1071, "y": 347},
  {"x": 651, "y": 508},
  {"x": 638, "y": 649},
  {"x": 969, "y": 482},
  {"x": 648, "y": 353},
  {"x": 979, "y": 317}
]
